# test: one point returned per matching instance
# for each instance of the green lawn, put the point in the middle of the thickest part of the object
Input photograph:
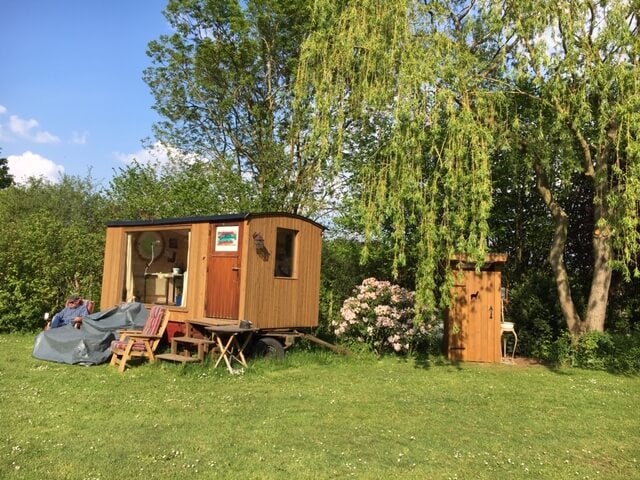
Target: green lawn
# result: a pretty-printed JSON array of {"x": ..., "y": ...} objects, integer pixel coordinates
[{"x": 317, "y": 415}]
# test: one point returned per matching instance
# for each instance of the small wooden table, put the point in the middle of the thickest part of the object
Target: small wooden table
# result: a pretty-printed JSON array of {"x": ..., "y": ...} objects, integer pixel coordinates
[{"x": 231, "y": 341}]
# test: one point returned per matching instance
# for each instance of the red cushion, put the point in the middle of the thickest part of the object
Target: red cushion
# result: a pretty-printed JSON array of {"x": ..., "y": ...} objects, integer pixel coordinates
[
  {"x": 153, "y": 321},
  {"x": 122, "y": 344}
]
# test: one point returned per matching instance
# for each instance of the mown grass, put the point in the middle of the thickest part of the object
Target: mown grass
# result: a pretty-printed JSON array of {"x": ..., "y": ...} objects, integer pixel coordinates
[{"x": 317, "y": 415}]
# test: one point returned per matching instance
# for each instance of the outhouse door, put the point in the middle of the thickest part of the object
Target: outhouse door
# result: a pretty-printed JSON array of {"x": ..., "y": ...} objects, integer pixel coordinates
[
  {"x": 223, "y": 270},
  {"x": 474, "y": 318}
]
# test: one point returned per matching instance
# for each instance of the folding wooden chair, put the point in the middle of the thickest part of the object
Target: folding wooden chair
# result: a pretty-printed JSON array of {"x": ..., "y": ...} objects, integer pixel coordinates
[{"x": 140, "y": 343}]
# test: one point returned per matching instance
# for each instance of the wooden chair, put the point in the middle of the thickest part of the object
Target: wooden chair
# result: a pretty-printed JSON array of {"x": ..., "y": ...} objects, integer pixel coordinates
[{"x": 140, "y": 343}]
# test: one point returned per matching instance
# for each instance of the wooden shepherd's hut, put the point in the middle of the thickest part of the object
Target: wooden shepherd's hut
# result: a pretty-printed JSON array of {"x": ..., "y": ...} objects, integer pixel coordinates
[{"x": 259, "y": 267}]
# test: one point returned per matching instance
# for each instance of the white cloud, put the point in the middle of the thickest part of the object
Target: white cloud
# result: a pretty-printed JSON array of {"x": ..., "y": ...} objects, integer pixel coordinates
[
  {"x": 31, "y": 164},
  {"x": 157, "y": 154},
  {"x": 27, "y": 129},
  {"x": 45, "y": 137},
  {"x": 78, "y": 138},
  {"x": 21, "y": 127}
]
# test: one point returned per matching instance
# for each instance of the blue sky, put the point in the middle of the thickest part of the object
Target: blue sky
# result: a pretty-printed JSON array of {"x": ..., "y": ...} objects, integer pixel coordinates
[{"x": 72, "y": 98}]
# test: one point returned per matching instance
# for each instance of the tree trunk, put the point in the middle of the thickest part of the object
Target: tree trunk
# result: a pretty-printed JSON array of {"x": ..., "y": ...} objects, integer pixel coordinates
[
  {"x": 600, "y": 283},
  {"x": 602, "y": 271},
  {"x": 556, "y": 254},
  {"x": 602, "y": 249}
]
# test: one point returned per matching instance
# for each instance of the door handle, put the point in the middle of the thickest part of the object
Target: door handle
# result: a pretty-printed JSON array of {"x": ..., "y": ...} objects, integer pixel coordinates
[{"x": 235, "y": 269}]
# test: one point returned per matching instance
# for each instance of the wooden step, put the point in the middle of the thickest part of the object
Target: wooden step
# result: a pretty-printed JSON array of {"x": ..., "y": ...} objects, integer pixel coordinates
[
  {"x": 193, "y": 340},
  {"x": 202, "y": 345},
  {"x": 173, "y": 357}
]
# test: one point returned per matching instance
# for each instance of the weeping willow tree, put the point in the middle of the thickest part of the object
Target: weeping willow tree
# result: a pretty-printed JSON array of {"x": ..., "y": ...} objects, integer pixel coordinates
[
  {"x": 415, "y": 73},
  {"x": 447, "y": 88}
]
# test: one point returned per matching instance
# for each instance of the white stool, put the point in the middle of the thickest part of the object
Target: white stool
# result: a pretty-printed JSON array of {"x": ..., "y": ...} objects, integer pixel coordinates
[{"x": 508, "y": 327}]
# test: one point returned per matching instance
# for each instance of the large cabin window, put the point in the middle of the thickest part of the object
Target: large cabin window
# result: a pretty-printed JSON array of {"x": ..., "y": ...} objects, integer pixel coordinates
[
  {"x": 285, "y": 253},
  {"x": 156, "y": 267}
]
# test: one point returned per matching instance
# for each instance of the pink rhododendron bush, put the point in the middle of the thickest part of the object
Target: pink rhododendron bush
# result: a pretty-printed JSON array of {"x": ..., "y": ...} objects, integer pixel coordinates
[{"x": 381, "y": 315}]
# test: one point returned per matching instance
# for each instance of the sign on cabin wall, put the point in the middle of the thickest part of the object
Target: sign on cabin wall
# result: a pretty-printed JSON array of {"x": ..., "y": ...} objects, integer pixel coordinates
[{"x": 227, "y": 238}]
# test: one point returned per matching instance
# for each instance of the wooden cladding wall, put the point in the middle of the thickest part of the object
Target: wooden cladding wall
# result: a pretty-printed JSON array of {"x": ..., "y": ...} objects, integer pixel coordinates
[
  {"x": 279, "y": 302},
  {"x": 113, "y": 268}
]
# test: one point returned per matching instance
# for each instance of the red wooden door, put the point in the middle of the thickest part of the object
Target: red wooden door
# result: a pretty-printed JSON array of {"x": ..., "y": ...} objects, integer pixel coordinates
[{"x": 223, "y": 271}]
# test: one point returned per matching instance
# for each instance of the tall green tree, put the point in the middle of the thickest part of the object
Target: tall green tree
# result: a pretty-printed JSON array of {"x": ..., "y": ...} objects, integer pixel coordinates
[
  {"x": 585, "y": 80},
  {"x": 177, "y": 189},
  {"x": 6, "y": 179},
  {"x": 463, "y": 84},
  {"x": 223, "y": 85}
]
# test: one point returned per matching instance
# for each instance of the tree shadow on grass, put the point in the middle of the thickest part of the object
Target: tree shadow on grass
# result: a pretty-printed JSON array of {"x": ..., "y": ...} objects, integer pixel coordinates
[{"x": 425, "y": 361}]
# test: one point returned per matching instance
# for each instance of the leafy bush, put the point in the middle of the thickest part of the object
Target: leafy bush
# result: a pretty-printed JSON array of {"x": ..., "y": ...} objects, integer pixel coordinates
[
  {"x": 342, "y": 267},
  {"x": 594, "y": 350},
  {"x": 618, "y": 353},
  {"x": 542, "y": 333},
  {"x": 560, "y": 351},
  {"x": 626, "y": 355},
  {"x": 55, "y": 249},
  {"x": 623, "y": 315},
  {"x": 534, "y": 308},
  {"x": 381, "y": 316}
]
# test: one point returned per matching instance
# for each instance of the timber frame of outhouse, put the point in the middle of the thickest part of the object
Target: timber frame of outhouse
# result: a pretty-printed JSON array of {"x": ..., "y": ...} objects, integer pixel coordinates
[
  {"x": 473, "y": 323},
  {"x": 260, "y": 267}
]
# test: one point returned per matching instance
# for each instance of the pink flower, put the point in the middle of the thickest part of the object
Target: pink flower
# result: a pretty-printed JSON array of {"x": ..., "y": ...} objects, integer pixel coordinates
[
  {"x": 382, "y": 310},
  {"x": 381, "y": 315},
  {"x": 348, "y": 314}
]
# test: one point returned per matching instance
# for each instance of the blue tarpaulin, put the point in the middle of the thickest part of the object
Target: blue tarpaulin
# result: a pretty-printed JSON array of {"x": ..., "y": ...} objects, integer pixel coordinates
[{"x": 89, "y": 345}]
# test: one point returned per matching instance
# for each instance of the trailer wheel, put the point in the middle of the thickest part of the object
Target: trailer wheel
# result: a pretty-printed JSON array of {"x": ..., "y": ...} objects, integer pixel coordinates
[{"x": 269, "y": 347}]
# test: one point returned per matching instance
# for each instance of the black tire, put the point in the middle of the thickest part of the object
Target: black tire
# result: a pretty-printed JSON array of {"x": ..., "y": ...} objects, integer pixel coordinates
[{"x": 269, "y": 347}]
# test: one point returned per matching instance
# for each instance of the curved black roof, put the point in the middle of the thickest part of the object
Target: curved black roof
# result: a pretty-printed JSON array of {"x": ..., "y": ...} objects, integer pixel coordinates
[{"x": 229, "y": 217}]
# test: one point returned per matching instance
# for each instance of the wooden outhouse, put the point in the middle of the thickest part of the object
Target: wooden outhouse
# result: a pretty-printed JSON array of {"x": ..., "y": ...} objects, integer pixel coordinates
[
  {"x": 260, "y": 267},
  {"x": 473, "y": 324}
]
